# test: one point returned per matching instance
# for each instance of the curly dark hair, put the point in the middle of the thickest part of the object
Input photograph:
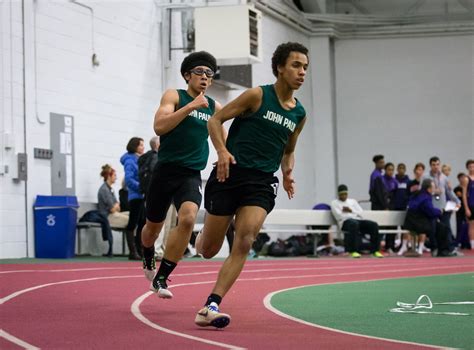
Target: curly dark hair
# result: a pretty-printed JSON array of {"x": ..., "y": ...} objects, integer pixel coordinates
[
  {"x": 133, "y": 144},
  {"x": 282, "y": 53}
]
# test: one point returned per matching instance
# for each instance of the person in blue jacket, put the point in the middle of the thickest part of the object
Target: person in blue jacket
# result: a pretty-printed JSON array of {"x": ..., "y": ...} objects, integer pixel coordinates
[
  {"x": 423, "y": 217},
  {"x": 129, "y": 160}
]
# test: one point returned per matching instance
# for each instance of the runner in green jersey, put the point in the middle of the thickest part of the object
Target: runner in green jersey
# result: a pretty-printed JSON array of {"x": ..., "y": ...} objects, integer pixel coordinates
[
  {"x": 181, "y": 123},
  {"x": 268, "y": 121}
]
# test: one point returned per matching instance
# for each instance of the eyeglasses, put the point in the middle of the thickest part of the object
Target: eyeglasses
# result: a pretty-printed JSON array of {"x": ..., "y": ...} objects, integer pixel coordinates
[{"x": 200, "y": 71}]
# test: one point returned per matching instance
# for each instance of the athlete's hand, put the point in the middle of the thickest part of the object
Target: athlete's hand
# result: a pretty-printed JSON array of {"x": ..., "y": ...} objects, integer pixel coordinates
[
  {"x": 289, "y": 184},
  {"x": 468, "y": 213},
  {"x": 200, "y": 101},
  {"x": 223, "y": 164}
]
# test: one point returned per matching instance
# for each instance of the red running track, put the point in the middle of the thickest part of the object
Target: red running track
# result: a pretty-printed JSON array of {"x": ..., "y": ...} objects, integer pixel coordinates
[{"x": 108, "y": 306}]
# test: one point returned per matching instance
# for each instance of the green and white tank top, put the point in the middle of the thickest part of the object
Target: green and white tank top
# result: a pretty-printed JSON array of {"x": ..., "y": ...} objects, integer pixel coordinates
[
  {"x": 257, "y": 141},
  {"x": 186, "y": 145}
]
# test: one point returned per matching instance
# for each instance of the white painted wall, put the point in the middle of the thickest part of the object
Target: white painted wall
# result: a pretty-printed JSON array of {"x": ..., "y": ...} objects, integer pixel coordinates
[
  {"x": 12, "y": 194},
  {"x": 408, "y": 99},
  {"x": 110, "y": 103}
]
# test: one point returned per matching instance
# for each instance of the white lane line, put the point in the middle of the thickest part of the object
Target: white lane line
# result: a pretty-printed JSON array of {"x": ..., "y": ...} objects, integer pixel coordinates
[
  {"x": 17, "y": 341},
  {"x": 370, "y": 263},
  {"x": 270, "y": 307},
  {"x": 135, "y": 309}
]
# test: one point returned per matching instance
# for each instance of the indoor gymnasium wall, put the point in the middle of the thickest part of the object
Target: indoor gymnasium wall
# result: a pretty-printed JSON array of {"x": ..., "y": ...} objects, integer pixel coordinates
[
  {"x": 406, "y": 98},
  {"x": 110, "y": 103},
  {"x": 12, "y": 193}
]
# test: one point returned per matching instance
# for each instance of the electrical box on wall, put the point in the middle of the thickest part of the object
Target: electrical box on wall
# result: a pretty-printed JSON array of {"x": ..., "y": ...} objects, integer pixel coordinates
[{"x": 232, "y": 34}]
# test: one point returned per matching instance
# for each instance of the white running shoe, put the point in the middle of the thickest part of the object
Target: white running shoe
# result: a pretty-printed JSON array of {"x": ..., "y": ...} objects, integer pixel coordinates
[
  {"x": 402, "y": 250},
  {"x": 160, "y": 287},
  {"x": 209, "y": 316},
  {"x": 149, "y": 274}
]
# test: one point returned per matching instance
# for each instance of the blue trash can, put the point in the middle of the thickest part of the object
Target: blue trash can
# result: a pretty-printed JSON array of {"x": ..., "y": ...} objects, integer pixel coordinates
[{"x": 55, "y": 226}]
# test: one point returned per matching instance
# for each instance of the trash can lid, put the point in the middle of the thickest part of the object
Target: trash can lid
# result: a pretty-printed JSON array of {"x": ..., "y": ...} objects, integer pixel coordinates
[{"x": 56, "y": 201}]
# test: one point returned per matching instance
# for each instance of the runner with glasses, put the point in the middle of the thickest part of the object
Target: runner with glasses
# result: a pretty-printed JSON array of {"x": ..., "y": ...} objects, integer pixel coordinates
[{"x": 181, "y": 123}]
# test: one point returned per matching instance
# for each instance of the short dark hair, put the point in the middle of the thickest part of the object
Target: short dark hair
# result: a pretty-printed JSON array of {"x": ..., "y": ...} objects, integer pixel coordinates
[
  {"x": 426, "y": 184},
  {"x": 389, "y": 164},
  {"x": 377, "y": 157},
  {"x": 460, "y": 175},
  {"x": 434, "y": 159},
  {"x": 282, "y": 53},
  {"x": 469, "y": 162},
  {"x": 419, "y": 165},
  {"x": 401, "y": 164},
  {"x": 133, "y": 144}
]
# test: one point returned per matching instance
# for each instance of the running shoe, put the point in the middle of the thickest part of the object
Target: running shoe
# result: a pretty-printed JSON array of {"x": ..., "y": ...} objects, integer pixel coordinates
[
  {"x": 149, "y": 267},
  {"x": 354, "y": 255},
  {"x": 378, "y": 255},
  {"x": 209, "y": 316},
  {"x": 160, "y": 287}
]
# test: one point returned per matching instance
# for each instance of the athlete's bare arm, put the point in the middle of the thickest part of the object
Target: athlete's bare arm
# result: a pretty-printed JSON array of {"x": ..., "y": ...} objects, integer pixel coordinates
[
  {"x": 166, "y": 118},
  {"x": 249, "y": 101},
  {"x": 288, "y": 160}
]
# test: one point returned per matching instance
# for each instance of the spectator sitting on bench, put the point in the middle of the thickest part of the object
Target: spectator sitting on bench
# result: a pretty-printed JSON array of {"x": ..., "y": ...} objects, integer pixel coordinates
[
  {"x": 348, "y": 214},
  {"x": 422, "y": 216},
  {"x": 108, "y": 203}
]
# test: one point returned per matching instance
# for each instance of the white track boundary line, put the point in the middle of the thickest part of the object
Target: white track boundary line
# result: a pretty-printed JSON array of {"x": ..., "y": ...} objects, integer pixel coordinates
[
  {"x": 369, "y": 263},
  {"x": 17, "y": 341},
  {"x": 270, "y": 307},
  {"x": 23, "y": 291}
]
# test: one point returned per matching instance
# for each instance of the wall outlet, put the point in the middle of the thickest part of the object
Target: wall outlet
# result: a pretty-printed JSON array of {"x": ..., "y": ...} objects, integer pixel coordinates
[{"x": 42, "y": 153}]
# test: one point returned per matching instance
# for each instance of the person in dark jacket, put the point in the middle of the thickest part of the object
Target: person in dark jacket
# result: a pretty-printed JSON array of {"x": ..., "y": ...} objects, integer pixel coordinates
[
  {"x": 129, "y": 160},
  {"x": 385, "y": 187},
  {"x": 400, "y": 199},
  {"x": 422, "y": 216}
]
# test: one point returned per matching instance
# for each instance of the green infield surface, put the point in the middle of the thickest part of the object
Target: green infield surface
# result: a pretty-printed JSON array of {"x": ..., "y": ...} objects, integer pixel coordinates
[{"x": 363, "y": 308}]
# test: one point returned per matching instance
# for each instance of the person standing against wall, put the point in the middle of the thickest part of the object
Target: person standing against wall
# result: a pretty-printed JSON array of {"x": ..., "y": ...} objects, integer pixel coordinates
[
  {"x": 129, "y": 160},
  {"x": 468, "y": 198},
  {"x": 379, "y": 163},
  {"x": 441, "y": 194}
]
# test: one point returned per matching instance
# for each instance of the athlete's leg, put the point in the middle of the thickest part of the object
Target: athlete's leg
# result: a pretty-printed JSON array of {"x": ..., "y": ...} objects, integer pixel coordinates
[
  {"x": 209, "y": 240},
  {"x": 248, "y": 222},
  {"x": 179, "y": 236},
  {"x": 150, "y": 232}
]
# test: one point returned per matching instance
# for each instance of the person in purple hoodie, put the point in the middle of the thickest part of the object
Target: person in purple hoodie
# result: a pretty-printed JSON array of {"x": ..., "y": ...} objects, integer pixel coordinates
[
  {"x": 422, "y": 216},
  {"x": 385, "y": 187},
  {"x": 129, "y": 160},
  {"x": 400, "y": 200}
]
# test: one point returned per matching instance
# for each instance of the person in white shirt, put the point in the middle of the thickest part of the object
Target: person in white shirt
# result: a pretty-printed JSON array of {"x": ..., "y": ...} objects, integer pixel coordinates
[{"x": 348, "y": 215}]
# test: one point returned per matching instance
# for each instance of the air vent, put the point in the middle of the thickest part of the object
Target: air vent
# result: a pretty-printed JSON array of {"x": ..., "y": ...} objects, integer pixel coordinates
[{"x": 232, "y": 34}]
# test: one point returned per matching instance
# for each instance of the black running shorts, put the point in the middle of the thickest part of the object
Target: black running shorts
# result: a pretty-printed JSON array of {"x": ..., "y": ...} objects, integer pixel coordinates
[
  {"x": 244, "y": 187},
  {"x": 171, "y": 183}
]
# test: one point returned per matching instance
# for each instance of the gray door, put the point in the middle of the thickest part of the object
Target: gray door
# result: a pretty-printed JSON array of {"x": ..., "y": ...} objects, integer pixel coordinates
[{"x": 62, "y": 165}]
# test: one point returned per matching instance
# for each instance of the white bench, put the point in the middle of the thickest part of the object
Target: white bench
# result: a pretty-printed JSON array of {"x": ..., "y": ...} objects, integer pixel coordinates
[
  {"x": 306, "y": 217},
  {"x": 84, "y": 225}
]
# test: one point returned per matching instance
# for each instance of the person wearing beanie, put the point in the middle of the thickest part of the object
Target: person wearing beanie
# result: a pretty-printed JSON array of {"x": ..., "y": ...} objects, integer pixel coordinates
[
  {"x": 181, "y": 122},
  {"x": 262, "y": 137},
  {"x": 348, "y": 214}
]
